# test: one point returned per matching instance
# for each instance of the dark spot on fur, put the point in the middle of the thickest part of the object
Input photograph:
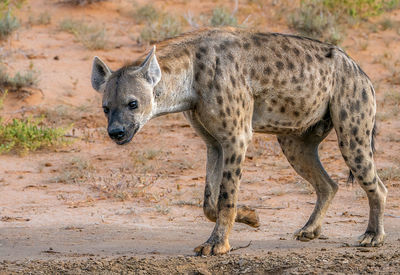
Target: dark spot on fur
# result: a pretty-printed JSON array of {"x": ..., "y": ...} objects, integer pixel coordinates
[
  {"x": 279, "y": 65},
  {"x": 230, "y": 57},
  {"x": 364, "y": 96},
  {"x": 290, "y": 65},
  {"x": 309, "y": 58},
  {"x": 246, "y": 45},
  {"x": 233, "y": 82},
  {"x": 267, "y": 70},
  {"x": 343, "y": 114},
  {"x": 237, "y": 172},
  {"x": 352, "y": 144},
  {"x": 358, "y": 159},
  {"x": 201, "y": 66}
]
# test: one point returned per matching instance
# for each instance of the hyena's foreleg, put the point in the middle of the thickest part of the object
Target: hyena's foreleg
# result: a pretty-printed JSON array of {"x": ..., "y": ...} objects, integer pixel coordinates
[
  {"x": 353, "y": 116},
  {"x": 302, "y": 154},
  {"x": 214, "y": 175}
]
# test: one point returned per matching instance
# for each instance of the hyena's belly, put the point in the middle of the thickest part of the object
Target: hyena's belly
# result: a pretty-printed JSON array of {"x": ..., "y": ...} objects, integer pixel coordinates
[{"x": 287, "y": 112}]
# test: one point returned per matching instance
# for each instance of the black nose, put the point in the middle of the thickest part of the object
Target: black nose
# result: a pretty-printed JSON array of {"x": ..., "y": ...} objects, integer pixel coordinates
[{"x": 117, "y": 133}]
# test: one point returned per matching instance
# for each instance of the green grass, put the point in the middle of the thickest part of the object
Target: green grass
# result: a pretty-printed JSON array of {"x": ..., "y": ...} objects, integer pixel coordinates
[
  {"x": 26, "y": 135},
  {"x": 19, "y": 80},
  {"x": 93, "y": 37},
  {"x": 8, "y": 24},
  {"x": 2, "y": 98},
  {"x": 222, "y": 17},
  {"x": 326, "y": 19},
  {"x": 359, "y": 9}
]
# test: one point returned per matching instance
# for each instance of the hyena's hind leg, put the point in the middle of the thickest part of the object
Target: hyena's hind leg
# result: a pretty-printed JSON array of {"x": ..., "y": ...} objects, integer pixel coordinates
[
  {"x": 214, "y": 169},
  {"x": 353, "y": 116},
  {"x": 302, "y": 154}
]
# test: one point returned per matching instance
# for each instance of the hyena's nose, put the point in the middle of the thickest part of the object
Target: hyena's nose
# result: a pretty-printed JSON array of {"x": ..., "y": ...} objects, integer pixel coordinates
[{"x": 117, "y": 132}]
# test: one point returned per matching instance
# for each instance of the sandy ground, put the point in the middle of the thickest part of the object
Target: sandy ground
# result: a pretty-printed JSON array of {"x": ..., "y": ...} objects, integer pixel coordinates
[{"x": 95, "y": 207}]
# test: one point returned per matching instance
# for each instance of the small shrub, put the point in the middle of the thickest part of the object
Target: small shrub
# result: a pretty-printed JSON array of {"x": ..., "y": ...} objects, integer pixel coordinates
[
  {"x": 316, "y": 22},
  {"x": 167, "y": 26},
  {"x": 389, "y": 174},
  {"x": 386, "y": 24},
  {"x": 80, "y": 2},
  {"x": 43, "y": 18},
  {"x": 25, "y": 135},
  {"x": 8, "y": 24},
  {"x": 92, "y": 37},
  {"x": 75, "y": 171},
  {"x": 221, "y": 17},
  {"x": 146, "y": 13},
  {"x": 19, "y": 80}
]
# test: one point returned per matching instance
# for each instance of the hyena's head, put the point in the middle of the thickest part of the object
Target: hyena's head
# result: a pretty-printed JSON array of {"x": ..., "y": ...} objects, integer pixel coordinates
[{"x": 128, "y": 99}]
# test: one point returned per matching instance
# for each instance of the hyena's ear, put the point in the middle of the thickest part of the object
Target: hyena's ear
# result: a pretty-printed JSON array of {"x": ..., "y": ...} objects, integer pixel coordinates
[
  {"x": 150, "y": 68},
  {"x": 100, "y": 73}
]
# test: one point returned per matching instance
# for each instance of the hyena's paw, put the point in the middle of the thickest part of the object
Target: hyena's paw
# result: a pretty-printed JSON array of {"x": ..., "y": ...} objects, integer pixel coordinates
[
  {"x": 370, "y": 238},
  {"x": 307, "y": 233},
  {"x": 248, "y": 216},
  {"x": 208, "y": 248}
]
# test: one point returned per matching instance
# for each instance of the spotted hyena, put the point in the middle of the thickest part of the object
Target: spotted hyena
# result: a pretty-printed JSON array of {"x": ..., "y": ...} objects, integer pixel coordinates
[{"x": 230, "y": 83}]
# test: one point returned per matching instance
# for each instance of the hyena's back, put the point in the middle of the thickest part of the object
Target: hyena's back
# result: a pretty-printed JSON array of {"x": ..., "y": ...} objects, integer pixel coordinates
[{"x": 291, "y": 79}]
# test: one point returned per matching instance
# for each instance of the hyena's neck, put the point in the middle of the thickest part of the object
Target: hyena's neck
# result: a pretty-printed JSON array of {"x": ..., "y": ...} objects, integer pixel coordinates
[{"x": 174, "y": 92}]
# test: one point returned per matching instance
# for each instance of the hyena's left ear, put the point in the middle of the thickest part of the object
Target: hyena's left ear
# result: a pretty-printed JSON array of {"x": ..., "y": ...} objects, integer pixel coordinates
[
  {"x": 150, "y": 68},
  {"x": 100, "y": 73}
]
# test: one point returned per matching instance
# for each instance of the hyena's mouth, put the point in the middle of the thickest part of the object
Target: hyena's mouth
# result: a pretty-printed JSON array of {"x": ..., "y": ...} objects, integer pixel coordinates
[{"x": 128, "y": 137}]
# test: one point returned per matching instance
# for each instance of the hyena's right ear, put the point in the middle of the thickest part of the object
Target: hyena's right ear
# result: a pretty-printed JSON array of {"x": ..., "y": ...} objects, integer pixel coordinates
[{"x": 100, "y": 73}]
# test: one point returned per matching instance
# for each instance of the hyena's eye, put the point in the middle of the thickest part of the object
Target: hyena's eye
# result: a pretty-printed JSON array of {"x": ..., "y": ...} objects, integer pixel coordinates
[
  {"x": 106, "y": 110},
  {"x": 133, "y": 104}
]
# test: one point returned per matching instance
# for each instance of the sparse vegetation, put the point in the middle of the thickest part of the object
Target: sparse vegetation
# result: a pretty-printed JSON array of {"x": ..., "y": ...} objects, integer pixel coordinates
[
  {"x": 222, "y": 17},
  {"x": 91, "y": 36},
  {"x": 146, "y": 14},
  {"x": 75, "y": 171},
  {"x": 324, "y": 19},
  {"x": 2, "y": 98},
  {"x": 165, "y": 27},
  {"x": 8, "y": 24},
  {"x": 25, "y": 135},
  {"x": 158, "y": 25},
  {"x": 80, "y": 2},
  {"x": 122, "y": 186},
  {"x": 44, "y": 18},
  {"x": 313, "y": 20},
  {"x": 386, "y": 24},
  {"x": 389, "y": 174},
  {"x": 20, "y": 80}
]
